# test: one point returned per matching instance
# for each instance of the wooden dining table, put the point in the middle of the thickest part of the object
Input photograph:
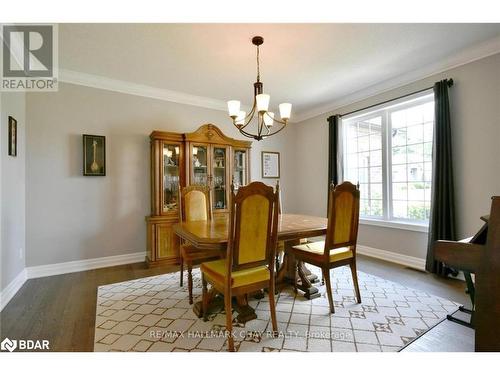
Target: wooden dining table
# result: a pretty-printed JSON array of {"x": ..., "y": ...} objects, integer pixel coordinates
[{"x": 292, "y": 228}]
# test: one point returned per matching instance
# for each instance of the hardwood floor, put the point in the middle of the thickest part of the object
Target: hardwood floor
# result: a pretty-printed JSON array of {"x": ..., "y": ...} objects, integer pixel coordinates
[{"x": 62, "y": 308}]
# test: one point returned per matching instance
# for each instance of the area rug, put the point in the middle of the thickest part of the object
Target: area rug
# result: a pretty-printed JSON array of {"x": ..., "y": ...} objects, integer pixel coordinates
[{"x": 153, "y": 314}]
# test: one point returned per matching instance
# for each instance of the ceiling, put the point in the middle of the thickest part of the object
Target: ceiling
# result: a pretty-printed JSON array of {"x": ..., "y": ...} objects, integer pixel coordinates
[{"x": 309, "y": 65}]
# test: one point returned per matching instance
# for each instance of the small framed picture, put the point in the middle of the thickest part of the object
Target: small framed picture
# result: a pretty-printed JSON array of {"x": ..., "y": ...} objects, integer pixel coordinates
[
  {"x": 12, "y": 136},
  {"x": 270, "y": 164},
  {"x": 94, "y": 155}
]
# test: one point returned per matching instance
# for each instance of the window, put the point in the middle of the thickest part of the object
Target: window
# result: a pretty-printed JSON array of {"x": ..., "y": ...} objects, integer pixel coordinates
[{"x": 388, "y": 151}]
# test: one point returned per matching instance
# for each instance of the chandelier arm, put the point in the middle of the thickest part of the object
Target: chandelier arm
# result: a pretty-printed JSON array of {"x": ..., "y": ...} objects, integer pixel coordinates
[
  {"x": 276, "y": 132},
  {"x": 248, "y": 135},
  {"x": 275, "y": 119},
  {"x": 249, "y": 117},
  {"x": 261, "y": 124}
]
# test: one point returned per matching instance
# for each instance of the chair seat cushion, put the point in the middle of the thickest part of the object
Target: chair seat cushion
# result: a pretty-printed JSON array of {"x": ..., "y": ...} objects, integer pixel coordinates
[
  {"x": 217, "y": 271},
  {"x": 317, "y": 249},
  {"x": 190, "y": 253}
]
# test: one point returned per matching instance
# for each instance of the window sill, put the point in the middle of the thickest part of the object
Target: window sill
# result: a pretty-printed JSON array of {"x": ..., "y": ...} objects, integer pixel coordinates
[{"x": 395, "y": 224}]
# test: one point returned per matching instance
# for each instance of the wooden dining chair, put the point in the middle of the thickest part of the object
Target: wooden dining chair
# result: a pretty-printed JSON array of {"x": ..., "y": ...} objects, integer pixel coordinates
[
  {"x": 249, "y": 263},
  {"x": 339, "y": 247},
  {"x": 194, "y": 206}
]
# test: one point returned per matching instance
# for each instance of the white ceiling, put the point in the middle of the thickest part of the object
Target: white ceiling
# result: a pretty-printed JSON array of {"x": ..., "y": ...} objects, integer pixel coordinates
[{"x": 309, "y": 65}]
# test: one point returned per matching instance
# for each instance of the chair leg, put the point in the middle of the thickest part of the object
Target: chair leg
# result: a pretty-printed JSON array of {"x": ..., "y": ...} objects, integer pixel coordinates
[
  {"x": 190, "y": 283},
  {"x": 295, "y": 276},
  {"x": 182, "y": 271},
  {"x": 229, "y": 321},
  {"x": 204, "y": 297},
  {"x": 272, "y": 306},
  {"x": 326, "y": 276},
  {"x": 355, "y": 280}
]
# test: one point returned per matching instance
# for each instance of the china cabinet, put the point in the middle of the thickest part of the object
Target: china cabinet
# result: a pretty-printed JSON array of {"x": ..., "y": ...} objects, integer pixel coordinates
[{"x": 204, "y": 157}]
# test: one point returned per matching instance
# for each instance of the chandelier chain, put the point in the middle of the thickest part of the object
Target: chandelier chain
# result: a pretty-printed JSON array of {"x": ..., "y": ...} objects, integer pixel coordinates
[{"x": 258, "y": 65}]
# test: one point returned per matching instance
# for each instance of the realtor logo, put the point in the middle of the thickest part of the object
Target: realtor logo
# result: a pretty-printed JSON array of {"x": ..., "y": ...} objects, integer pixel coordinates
[
  {"x": 8, "y": 344},
  {"x": 29, "y": 58}
]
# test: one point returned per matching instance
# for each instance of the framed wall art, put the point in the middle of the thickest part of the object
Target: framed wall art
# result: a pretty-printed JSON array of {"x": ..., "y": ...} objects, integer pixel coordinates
[
  {"x": 94, "y": 155},
  {"x": 270, "y": 164},
  {"x": 12, "y": 136}
]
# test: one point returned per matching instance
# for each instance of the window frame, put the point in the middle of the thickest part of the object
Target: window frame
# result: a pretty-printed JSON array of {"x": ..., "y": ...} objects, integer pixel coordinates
[{"x": 384, "y": 110}]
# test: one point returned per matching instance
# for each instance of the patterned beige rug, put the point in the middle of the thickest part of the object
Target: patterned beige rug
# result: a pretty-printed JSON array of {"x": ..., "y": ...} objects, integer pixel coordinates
[{"x": 153, "y": 314}]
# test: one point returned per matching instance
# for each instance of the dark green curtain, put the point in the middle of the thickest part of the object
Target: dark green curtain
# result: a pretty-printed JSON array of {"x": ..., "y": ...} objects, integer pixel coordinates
[
  {"x": 442, "y": 215},
  {"x": 333, "y": 149}
]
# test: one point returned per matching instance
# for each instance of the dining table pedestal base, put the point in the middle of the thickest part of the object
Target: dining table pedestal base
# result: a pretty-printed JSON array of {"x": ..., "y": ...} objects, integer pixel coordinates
[
  {"x": 292, "y": 270},
  {"x": 240, "y": 304}
]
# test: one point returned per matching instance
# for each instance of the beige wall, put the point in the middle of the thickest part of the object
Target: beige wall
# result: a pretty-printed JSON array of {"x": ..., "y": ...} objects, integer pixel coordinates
[
  {"x": 71, "y": 217},
  {"x": 12, "y": 190},
  {"x": 475, "y": 112}
]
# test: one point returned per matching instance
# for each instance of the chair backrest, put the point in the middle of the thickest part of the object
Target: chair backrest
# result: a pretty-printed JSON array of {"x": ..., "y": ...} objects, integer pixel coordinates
[
  {"x": 343, "y": 217},
  {"x": 253, "y": 226},
  {"x": 195, "y": 203}
]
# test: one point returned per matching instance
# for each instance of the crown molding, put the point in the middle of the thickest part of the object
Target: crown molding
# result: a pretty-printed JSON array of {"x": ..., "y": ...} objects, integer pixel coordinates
[
  {"x": 466, "y": 56},
  {"x": 131, "y": 88}
]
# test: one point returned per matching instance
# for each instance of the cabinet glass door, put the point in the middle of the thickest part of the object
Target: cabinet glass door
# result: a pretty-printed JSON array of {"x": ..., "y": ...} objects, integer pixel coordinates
[
  {"x": 219, "y": 177},
  {"x": 240, "y": 165},
  {"x": 200, "y": 165},
  {"x": 171, "y": 158}
]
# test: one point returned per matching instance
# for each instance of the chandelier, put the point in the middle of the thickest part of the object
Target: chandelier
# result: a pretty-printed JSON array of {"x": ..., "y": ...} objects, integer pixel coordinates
[{"x": 265, "y": 119}]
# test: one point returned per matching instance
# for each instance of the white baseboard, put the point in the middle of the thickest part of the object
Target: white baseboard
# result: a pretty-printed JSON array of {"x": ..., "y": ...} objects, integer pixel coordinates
[
  {"x": 13, "y": 287},
  {"x": 84, "y": 265},
  {"x": 66, "y": 267},
  {"x": 405, "y": 260}
]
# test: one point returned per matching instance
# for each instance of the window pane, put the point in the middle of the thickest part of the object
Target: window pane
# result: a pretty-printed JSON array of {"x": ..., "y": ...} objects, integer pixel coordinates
[
  {"x": 398, "y": 119},
  {"x": 400, "y": 191},
  {"x": 376, "y": 158},
  {"x": 364, "y": 143},
  {"x": 428, "y": 110},
  {"x": 376, "y": 208},
  {"x": 375, "y": 174},
  {"x": 415, "y": 153},
  {"x": 428, "y": 131},
  {"x": 399, "y": 173},
  {"x": 398, "y": 155},
  {"x": 416, "y": 172},
  {"x": 416, "y": 210},
  {"x": 415, "y": 115},
  {"x": 364, "y": 207},
  {"x": 363, "y": 159},
  {"x": 428, "y": 171},
  {"x": 376, "y": 191},
  {"x": 416, "y": 191},
  {"x": 411, "y": 131},
  {"x": 363, "y": 175},
  {"x": 364, "y": 191},
  {"x": 399, "y": 209},
  {"x": 415, "y": 134},
  {"x": 399, "y": 136},
  {"x": 428, "y": 151},
  {"x": 376, "y": 141}
]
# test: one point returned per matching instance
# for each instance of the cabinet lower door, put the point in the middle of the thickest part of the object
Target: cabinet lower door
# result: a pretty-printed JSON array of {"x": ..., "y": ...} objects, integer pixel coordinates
[{"x": 164, "y": 247}]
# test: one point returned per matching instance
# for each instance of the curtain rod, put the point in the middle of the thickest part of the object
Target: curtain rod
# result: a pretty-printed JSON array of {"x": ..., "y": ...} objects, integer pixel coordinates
[{"x": 449, "y": 82}]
